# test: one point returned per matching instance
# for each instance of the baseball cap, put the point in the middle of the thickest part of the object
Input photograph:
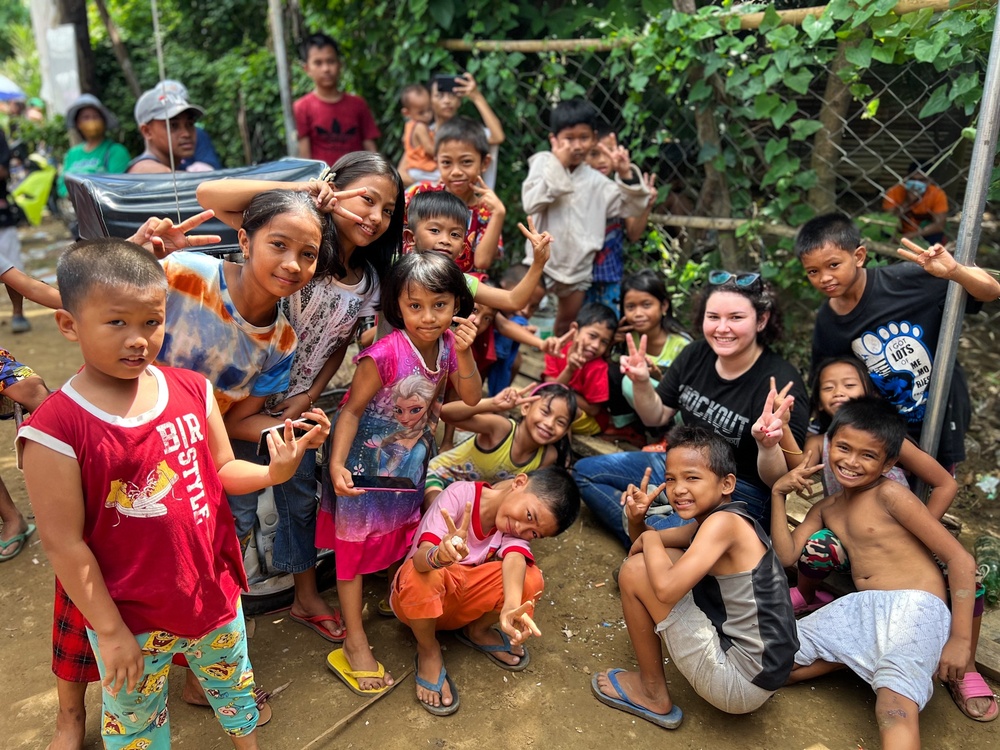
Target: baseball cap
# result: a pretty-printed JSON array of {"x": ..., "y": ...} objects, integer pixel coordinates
[{"x": 163, "y": 103}]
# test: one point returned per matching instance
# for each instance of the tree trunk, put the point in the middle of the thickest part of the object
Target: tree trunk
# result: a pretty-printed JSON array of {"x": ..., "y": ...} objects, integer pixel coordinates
[
  {"x": 714, "y": 199},
  {"x": 75, "y": 12},
  {"x": 833, "y": 116},
  {"x": 121, "y": 53}
]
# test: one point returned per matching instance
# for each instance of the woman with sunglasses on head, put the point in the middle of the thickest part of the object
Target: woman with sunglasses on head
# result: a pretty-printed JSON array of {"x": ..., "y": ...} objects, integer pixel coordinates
[{"x": 723, "y": 382}]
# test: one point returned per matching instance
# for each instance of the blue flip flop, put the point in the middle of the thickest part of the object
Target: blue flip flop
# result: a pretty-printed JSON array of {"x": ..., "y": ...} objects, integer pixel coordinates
[
  {"x": 491, "y": 650},
  {"x": 436, "y": 688},
  {"x": 21, "y": 540},
  {"x": 670, "y": 720}
]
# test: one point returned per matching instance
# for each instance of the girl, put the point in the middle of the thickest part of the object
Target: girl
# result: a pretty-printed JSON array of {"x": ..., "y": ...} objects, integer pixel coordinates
[
  {"x": 370, "y": 530},
  {"x": 645, "y": 310},
  {"x": 719, "y": 382},
  {"x": 363, "y": 197},
  {"x": 503, "y": 447},
  {"x": 837, "y": 380}
]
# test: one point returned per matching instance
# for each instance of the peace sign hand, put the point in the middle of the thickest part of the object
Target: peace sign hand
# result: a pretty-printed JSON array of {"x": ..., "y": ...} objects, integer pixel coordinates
[
  {"x": 553, "y": 345},
  {"x": 638, "y": 499},
  {"x": 798, "y": 479},
  {"x": 510, "y": 397},
  {"x": 634, "y": 365},
  {"x": 328, "y": 199},
  {"x": 541, "y": 244},
  {"x": 936, "y": 259},
  {"x": 517, "y": 623},
  {"x": 649, "y": 179},
  {"x": 770, "y": 426},
  {"x": 487, "y": 198},
  {"x": 161, "y": 237},
  {"x": 575, "y": 358},
  {"x": 453, "y": 547}
]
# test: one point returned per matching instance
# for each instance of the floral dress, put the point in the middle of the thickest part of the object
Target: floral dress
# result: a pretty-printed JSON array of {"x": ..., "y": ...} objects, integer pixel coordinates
[{"x": 395, "y": 438}]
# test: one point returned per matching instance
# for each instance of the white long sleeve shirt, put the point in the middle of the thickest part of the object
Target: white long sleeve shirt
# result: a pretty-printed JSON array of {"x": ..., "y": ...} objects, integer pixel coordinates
[{"x": 574, "y": 208}]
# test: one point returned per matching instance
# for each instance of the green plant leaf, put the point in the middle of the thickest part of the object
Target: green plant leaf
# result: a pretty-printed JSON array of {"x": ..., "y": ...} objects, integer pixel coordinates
[
  {"x": 784, "y": 113},
  {"x": 937, "y": 103},
  {"x": 860, "y": 56},
  {"x": 775, "y": 147},
  {"x": 802, "y": 129},
  {"x": 765, "y": 104},
  {"x": 799, "y": 80}
]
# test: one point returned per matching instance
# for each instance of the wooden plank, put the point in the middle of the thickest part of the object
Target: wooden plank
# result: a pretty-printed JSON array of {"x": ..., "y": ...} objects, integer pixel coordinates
[{"x": 988, "y": 651}]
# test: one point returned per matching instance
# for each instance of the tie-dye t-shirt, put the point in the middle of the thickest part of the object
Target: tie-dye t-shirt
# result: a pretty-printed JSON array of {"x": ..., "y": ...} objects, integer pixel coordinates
[{"x": 205, "y": 333}]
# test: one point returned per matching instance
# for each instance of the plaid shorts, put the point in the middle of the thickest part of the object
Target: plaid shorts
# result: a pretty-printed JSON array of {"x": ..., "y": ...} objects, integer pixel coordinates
[{"x": 72, "y": 658}]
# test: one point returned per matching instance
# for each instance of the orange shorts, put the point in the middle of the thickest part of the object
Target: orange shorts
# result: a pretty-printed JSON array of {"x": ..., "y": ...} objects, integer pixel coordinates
[{"x": 455, "y": 595}]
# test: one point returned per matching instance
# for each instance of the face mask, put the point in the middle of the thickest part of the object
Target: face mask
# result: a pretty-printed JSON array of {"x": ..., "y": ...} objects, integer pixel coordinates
[
  {"x": 91, "y": 129},
  {"x": 916, "y": 186}
]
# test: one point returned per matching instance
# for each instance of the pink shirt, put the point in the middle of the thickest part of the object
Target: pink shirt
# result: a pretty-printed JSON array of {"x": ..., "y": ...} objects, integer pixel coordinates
[{"x": 485, "y": 545}]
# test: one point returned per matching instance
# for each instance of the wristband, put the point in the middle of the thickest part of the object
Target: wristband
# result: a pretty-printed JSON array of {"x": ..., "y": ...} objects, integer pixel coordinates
[
  {"x": 431, "y": 553},
  {"x": 470, "y": 375},
  {"x": 791, "y": 453}
]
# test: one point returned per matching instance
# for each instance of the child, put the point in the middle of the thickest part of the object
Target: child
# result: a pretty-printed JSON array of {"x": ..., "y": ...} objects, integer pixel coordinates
[
  {"x": 895, "y": 631},
  {"x": 508, "y": 362},
  {"x": 166, "y": 121},
  {"x": 389, "y": 403},
  {"x": 418, "y": 141},
  {"x": 330, "y": 122},
  {"x": 470, "y": 569},
  {"x": 326, "y": 314},
  {"x": 890, "y": 317},
  {"x": 503, "y": 447},
  {"x": 100, "y": 457},
  {"x": 581, "y": 366},
  {"x": 462, "y": 154},
  {"x": 573, "y": 201},
  {"x": 713, "y": 590},
  {"x": 645, "y": 310},
  {"x": 609, "y": 263}
]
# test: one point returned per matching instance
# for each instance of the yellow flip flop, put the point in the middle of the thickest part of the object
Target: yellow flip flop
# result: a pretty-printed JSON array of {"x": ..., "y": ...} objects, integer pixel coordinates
[{"x": 337, "y": 662}]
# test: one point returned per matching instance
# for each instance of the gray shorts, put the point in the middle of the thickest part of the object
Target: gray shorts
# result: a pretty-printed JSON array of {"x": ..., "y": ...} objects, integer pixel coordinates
[
  {"x": 561, "y": 289},
  {"x": 694, "y": 646},
  {"x": 10, "y": 248}
]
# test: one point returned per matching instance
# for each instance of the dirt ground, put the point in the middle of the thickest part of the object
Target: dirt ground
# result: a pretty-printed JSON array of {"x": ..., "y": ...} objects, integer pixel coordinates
[{"x": 548, "y": 705}]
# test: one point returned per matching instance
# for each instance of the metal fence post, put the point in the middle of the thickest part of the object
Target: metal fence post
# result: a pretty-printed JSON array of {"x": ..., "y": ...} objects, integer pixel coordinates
[{"x": 965, "y": 250}]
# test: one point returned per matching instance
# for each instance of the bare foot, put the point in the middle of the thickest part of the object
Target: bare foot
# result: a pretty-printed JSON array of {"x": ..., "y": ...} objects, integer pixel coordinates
[
  {"x": 71, "y": 728},
  {"x": 430, "y": 664},
  {"x": 314, "y": 607},
  {"x": 630, "y": 683},
  {"x": 489, "y": 636},
  {"x": 361, "y": 659},
  {"x": 194, "y": 693}
]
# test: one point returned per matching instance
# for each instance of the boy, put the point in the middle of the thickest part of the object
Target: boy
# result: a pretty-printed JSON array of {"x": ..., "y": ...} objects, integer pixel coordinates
[
  {"x": 609, "y": 263},
  {"x": 128, "y": 451},
  {"x": 895, "y": 631},
  {"x": 462, "y": 154},
  {"x": 10, "y": 243},
  {"x": 508, "y": 363},
  {"x": 713, "y": 590},
  {"x": 330, "y": 122},
  {"x": 166, "y": 121},
  {"x": 418, "y": 141},
  {"x": 480, "y": 573},
  {"x": 581, "y": 365},
  {"x": 572, "y": 201},
  {"x": 890, "y": 318}
]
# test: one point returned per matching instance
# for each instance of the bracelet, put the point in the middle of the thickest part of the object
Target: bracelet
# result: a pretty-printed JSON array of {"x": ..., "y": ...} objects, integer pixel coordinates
[
  {"x": 791, "y": 453},
  {"x": 306, "y": 394},
  {"x": 431, "y": 554},
  {"x": 470, "y": 375}
]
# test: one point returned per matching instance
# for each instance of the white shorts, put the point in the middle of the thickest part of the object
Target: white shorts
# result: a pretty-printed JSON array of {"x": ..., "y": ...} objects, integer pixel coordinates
[
  {"x": 891, "y": 639},
  {"x": 10, "y": 248},
  {"x": 694, "y": 645}
]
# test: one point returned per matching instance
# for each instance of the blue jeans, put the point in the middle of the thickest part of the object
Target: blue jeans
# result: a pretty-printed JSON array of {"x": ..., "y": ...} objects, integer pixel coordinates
[
  {"x": 603, "y": 479},
  {"x": 295, "y": 500}
]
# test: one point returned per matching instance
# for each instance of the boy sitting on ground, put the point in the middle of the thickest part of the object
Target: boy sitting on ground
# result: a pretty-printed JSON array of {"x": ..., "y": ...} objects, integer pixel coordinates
[
  {"x": 713, "y": 590},
  {"x": 471, "y": 569},
  {"x": 126, "y": 451},
  {"x": 895, "y": 631}
]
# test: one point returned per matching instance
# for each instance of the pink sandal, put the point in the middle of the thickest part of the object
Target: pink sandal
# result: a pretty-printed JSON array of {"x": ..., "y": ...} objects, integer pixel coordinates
[
  {"x": 801, "y": 607},
  {"x": 972, "y": 685}
]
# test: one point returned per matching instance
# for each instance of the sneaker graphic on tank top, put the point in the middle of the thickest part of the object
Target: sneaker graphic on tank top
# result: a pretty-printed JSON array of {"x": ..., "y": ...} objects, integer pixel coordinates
[{"x": 900, "y": 365}]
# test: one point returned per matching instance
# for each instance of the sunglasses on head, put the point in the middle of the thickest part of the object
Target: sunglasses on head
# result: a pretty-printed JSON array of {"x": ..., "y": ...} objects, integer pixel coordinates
[{"x": 715, "y": 278}]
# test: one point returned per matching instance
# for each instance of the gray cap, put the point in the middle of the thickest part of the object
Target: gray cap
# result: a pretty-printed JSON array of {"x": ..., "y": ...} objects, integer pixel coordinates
[
  {"x": 89, "y": 100},
  {"x": 163, "y": 103}
]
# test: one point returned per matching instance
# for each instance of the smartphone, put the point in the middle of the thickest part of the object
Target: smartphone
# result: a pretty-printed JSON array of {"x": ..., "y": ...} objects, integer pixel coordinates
[
  {"x": 299, "y": 428},
  {"x": 445, "y": 83},
  {"x": 400, "y": 484}
]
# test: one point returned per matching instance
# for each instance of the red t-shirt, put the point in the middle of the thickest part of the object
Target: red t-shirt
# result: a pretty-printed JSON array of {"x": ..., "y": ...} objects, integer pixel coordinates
[
  {"x": 590, "y": 381},
  {"x": 334, "y": 128},
  {"x": 156, "y": 517},
  {"x": 479, "y": 220}
]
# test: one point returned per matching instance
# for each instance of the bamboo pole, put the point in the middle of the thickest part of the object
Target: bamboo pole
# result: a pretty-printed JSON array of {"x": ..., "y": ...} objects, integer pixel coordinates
[{"x": 747, "y": 21}]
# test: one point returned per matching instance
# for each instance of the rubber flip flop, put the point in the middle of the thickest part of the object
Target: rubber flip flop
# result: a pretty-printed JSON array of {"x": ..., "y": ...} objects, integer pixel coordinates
[
  {"x": 799, "y": 605},
  {"x": 670, "y": 720},
  {"x": 20, "y": 540},
  {"x": 384, "y": 609},
  {"x": 972, "y": 685},
  {"x": 435, "y": 687},
  {"x": 315, "y": 624},
  {"x": 492, "y": 650},
  {"x": 337, "y": 662}
]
